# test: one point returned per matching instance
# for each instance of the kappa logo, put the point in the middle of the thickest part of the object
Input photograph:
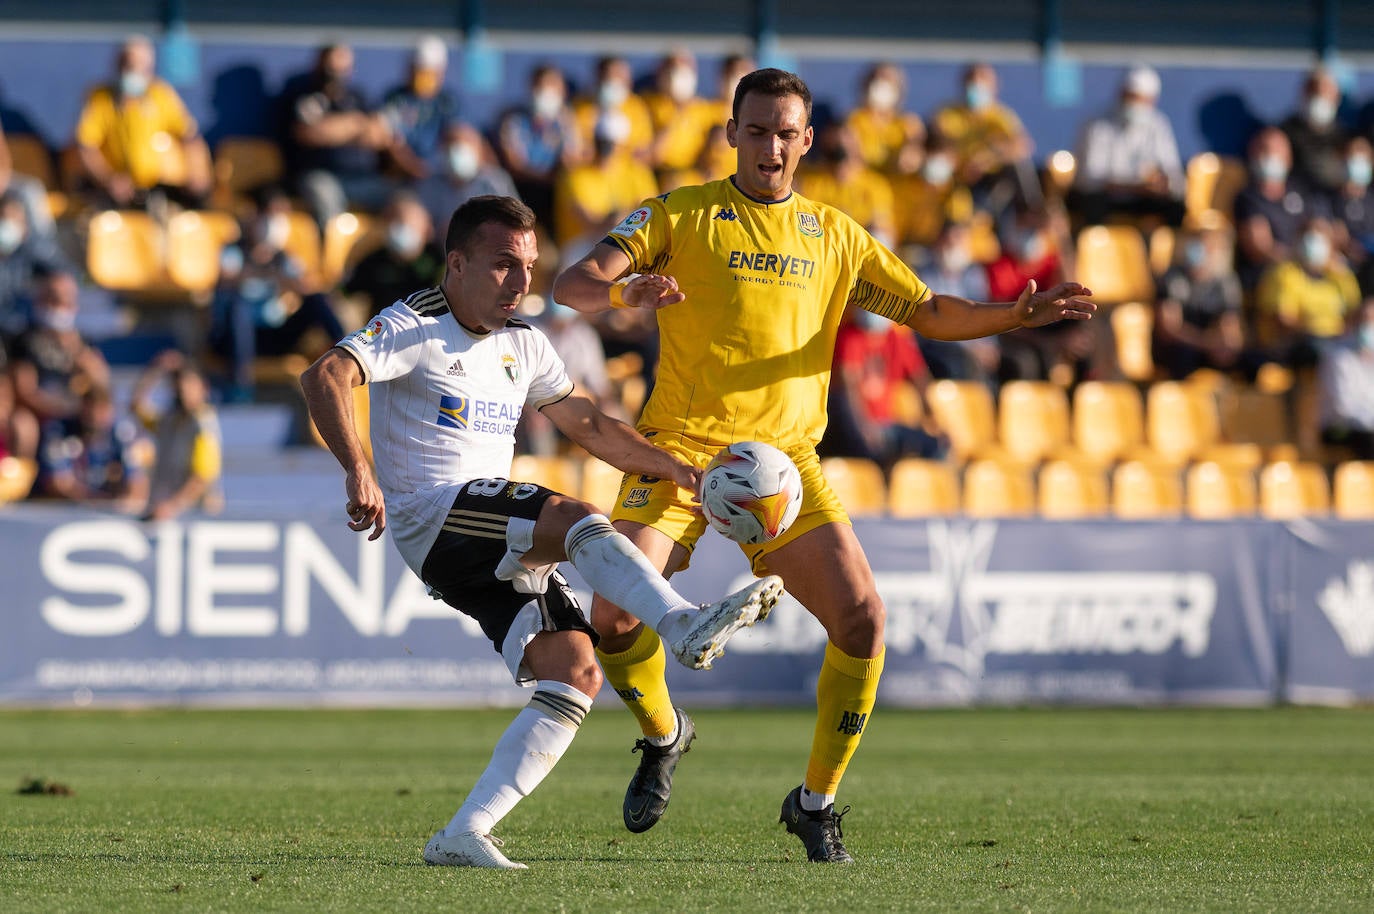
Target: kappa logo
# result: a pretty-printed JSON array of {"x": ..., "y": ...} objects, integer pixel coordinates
[
  {"x": 809, "y": 225},
  {"x": 726, "y": 214},
  {"x": 851, "y": 723},
  {"x": 1349, "y": 604},
  {"x": 456, "y": 369}
]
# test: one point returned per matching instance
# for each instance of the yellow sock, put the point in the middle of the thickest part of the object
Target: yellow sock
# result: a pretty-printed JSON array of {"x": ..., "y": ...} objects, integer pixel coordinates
[
  {"x": 637, "y": 677},
  {"x": 845, "y": 694}
]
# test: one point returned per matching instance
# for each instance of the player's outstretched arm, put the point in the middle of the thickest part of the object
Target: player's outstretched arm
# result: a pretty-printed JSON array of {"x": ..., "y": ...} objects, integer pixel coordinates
[
  {"x": 616, "y": 443},
  {"x": 596, "y": 283},
  {"x": 949, "y": 317},
  {"x": 328, "y": 387}
]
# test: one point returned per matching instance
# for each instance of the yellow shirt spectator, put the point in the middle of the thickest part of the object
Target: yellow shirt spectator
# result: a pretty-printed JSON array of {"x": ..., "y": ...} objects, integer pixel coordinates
[
  {"x": 1317, "y": 305},
  {"x": 881, "y": 135},
  {"x": 679, "y": 129},
  {"x": 587, "y": 111},
  {"x": 141, "y": 137},
  {"x": 926, "y": 207},
  {"x": 986, "y": 136},
  {"x": 588, "y": 197}
]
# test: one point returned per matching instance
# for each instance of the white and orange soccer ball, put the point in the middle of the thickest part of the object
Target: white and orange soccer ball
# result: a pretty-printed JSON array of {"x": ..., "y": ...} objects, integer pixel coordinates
[{"x": 751, "y": 492}]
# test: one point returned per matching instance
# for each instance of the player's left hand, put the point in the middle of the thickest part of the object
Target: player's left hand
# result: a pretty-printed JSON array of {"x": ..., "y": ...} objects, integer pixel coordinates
[
  {"x": 366, "y": 507},
  {"x": 1066, "y": 301},
  {"x": 652, "y": 291}
]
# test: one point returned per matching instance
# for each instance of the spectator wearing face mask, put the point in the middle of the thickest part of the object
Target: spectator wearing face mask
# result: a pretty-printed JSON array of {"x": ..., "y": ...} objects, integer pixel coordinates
[
  {"x": 613, "y": 95},
  {"x": 681, "y": 118},
  {"x": 992, "y": 149},
  {"x": 1307, "y": 297},
  {"x": 1347, "y": 386},
  {"x": 186, "y": 438},
  {"x": 23, "y": 256},
  {"x": 1128, "y": 161},
  {"x": 843, "y": 180},
  {"x": 879, "y": 123},
  {"x": 1198, "y": 316},
  {"x": 30, "y": 190},
  {"x": 419, "y": 112},
  {"x": 590, "y": 197},
  {"x": 1271, "y": 209},
  {"x": 1353, "y": 210},
  {"x": 95, "y": 459},
  {"x": 931, "y": 193},
  {"x": 468, "y": 170},
  {"x": 262, "y": 305},
  {"x": 134, "y": 136},
  {"x": 1317, "y": 137},
  {"x": 537, "y": 139},
  {"x": 51, "y": 365},
  {"x": 408, "y": 259}
]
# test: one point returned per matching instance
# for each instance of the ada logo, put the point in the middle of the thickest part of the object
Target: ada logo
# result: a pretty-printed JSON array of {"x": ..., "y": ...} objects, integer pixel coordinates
[
  {"x": 809, "y": 224},
  {"x": 511, "y": 366},
  {"x": 453, "y": 411},
  {"x": 638, "y": 497},
  {"x": 1349, "y": 604},
  {"x": 365, "y": 336},
  {"x": 632, "y": 223}
]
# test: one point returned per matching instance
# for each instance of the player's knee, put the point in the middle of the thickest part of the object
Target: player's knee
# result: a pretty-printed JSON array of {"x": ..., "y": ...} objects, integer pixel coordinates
[
  {"x": 585, "y": 676},
  {"x": 562, "y": 512},
  {"x": 860, "y": 632},
  {"x": 612, "y": 623}
]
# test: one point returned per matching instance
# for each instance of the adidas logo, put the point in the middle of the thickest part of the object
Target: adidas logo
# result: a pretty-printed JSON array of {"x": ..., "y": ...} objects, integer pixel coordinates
[
  {"x": 727, "y": 214},
  {"x": 456, "y": 369}
]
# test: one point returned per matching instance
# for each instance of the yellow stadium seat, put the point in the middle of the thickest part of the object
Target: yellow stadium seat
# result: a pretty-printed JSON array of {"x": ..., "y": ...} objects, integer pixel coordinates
[
  {"x": 1293, "y": 489},
  {"x": 1254, "y": 415},
  {"x": 244, "y": 163},
  {"x": 1180, "y": 420},
  {"x": 1108, "y": 420},
  {"x": 858, "y": 483},
  {"x": 1032, "y": 420},
  {"x": 1069, "y": 489},
  {"x": 1162, "y": 245},
  {"x": 1144, "y": 490},
  {"x": 998, "y": 488},
  {"x": 562, "y": 474},
  {"x": 16, "y": 477},
  {"x": 1133, "y": 329},
  {"x": 303, "y": 243},
  {"x": 600, "y": 483},
  {"x": 125, "y": 251},
  {"x": 1240, "y": 455},
  {"x": 1112, "y": 261},
  {"x": 362, "y": 411},
  {"x": 28, "y": 156},
  {"x": 1213, "y": 182},
  {"x": 922, "y": 488},
  {"x": 1354, "y": 490},
  {"x": 1215, "y": 491},
  {"x": 195, "y": 241},
  {"x": 348, "y": 237},
  {"x": 964, "y": 411}
]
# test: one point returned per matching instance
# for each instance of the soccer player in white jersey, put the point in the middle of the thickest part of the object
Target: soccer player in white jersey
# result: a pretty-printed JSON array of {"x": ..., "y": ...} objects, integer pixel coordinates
[{"x": 450, "y": 370}]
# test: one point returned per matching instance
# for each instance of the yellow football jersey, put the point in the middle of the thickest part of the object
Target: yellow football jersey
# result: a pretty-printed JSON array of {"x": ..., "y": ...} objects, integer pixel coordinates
[{"x": 746, "y": 357}]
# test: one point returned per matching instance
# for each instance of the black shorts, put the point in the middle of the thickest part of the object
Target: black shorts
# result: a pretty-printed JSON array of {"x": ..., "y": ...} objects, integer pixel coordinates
[{"x": 461, "y": 565}]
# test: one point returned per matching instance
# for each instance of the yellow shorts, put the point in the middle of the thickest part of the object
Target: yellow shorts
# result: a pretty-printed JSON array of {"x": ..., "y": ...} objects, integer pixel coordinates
[{"x": 661, "y": 504}]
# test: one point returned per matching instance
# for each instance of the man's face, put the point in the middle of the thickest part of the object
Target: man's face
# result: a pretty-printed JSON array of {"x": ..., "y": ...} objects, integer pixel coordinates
[
  {"x": 771, "y": 136},
  {"x": 486, "y": 282}
]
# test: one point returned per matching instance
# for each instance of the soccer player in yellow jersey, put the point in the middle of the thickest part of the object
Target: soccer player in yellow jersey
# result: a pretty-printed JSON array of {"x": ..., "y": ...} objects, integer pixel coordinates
[{"x": 751, "y": 280}]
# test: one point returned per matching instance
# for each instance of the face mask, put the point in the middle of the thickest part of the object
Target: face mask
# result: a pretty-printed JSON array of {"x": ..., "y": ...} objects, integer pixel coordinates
[
  {"x": 1316, "y": 250},
  {"x": 954, "y": 260},
  {"x": 1367, "y": 336},
  {"x": 869, "y": 321},
  {"x": 547, "y": 103},
  {"x": 463, "y": 161},
  {"x": 59, "y": 319},
  {"x": 883, "y": 95},
  {"x": 1321, "y": 111},
  {"x": 977, "y": 95},
  {"x": 11, "y": 236},
  {"x": 133, "y": 84},
  {"x": 1271, "y": 168},
  {"x": 1359, "y": 169},
  {"x": 613, "y": 129},
  {"x": 1136, "y": 112},
  {"x": 277, "y": 232},
  {"x": 937, "y": 170},
  {"x": 682, "y": 84},
  {"x": 402, "y": 239},
  {"x": 1194, "y": 254},
  {"x": 612, "y": 94}
]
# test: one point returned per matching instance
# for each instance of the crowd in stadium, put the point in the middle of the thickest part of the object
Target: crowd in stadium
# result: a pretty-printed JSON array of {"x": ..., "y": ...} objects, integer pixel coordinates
[{"x": 1256, "y": 273}]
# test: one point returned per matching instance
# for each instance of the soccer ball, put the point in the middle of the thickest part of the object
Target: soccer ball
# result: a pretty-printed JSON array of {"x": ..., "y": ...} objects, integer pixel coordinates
[{"x": 751, "y": 492}]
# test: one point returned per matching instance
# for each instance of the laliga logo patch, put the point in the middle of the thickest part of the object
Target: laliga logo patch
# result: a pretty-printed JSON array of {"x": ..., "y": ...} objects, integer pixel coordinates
[
  {"x": 511, "y": 366},
  {"x": 632, "y": 223},
  {"x": 453, "y": 412},
  {"x": 809, "y": 225},
  {"x": 369, "y": 333}
]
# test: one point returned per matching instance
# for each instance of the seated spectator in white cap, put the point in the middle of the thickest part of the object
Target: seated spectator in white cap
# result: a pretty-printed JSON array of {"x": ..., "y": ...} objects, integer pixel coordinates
[
  {"x": 420, "y": 111},
  {"x": 1128, "y": 162}
]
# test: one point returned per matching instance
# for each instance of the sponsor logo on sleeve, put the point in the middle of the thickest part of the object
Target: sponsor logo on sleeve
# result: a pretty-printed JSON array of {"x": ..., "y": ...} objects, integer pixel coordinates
[
  {"x": 365, "y": 336},
  {"x": 632, "y": 223}
]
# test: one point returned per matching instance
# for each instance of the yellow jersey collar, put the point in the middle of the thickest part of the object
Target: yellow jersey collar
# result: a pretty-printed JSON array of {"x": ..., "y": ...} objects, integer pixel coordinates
[{"x": 753, "y": 199}]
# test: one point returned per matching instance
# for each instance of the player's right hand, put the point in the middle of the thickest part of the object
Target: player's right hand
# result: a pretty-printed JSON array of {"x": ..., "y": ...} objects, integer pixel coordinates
[
  {"x": 366, "y": 508},
  {"x": 652, "y": 291}
]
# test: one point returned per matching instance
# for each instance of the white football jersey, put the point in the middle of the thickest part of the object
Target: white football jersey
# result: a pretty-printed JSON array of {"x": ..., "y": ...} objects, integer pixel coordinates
[{"x": 444, "y": 406}]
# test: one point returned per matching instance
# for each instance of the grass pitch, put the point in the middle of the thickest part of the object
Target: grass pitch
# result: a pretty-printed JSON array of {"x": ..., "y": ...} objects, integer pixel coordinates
[{"x": 1043, "y": 810}]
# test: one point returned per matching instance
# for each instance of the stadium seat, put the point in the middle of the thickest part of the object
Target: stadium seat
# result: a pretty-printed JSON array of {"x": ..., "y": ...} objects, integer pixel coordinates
[
  {"x": 998, "y": 488},
  {"x": 600, "y": 483},
  {"x": 1251, "y": 414},
  {"x": 1145, "y": 490},
  {"x": 1180, "y": 420},
  {"x": 125, "y": 252},
  {"x": 1070, "y": 489},
  {"x": 1293, "y": 489},
  {"x": 348, "y": 237},
  {"x": 964, "y": 411},
  {"x": 1108, "y": 420},
  {"x": 1354, "y": 490},
  {"x": 195, "y": 241},
  {"x": 243, "y": 164},
  {"x": 303, "y": 243},
  {"x": 1133, "y": 326},
  {"x": 1213, "y": 182},
  {"x": 922, "y": 488},
  {"x": 16, "y": 478},
  {"x": 1032, "y": 420},
  {"x": 1215, "y": 491},
  {"x": 1112, "y": 261},
  {"x": 362, "y": 410},
  {"x": 1240, "y": 455},
  {"x": 562, "y": 474},
  {"x": 984, "y": 246},
  {"x": 858, "y": 483},
  {"x": 1161, "y": 249}
]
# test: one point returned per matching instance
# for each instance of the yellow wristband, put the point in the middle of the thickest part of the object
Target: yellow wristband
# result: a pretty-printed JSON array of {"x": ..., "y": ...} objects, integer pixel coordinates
[{"x": 617, "y": 292}]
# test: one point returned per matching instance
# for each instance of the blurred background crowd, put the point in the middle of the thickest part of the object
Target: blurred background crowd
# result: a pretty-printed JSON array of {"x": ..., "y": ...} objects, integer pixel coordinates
[{"x": 1237, "y": 335}]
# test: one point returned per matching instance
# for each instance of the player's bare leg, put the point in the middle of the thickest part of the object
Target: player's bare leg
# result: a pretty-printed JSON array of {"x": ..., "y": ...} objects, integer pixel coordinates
[{"x": 826, "y": 570}]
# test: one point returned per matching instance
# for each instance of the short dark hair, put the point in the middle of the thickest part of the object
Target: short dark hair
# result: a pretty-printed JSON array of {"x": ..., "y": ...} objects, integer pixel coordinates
[
  {"x": 774, "y": 82},
  {"x": 477, "y": 212}
]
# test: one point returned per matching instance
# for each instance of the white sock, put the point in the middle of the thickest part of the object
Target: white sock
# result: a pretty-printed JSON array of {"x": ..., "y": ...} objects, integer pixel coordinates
[
  {"x": 815, "y": 802},
  {"x": 525, "y": 753},
  {"x": 614, "y": 568}
]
